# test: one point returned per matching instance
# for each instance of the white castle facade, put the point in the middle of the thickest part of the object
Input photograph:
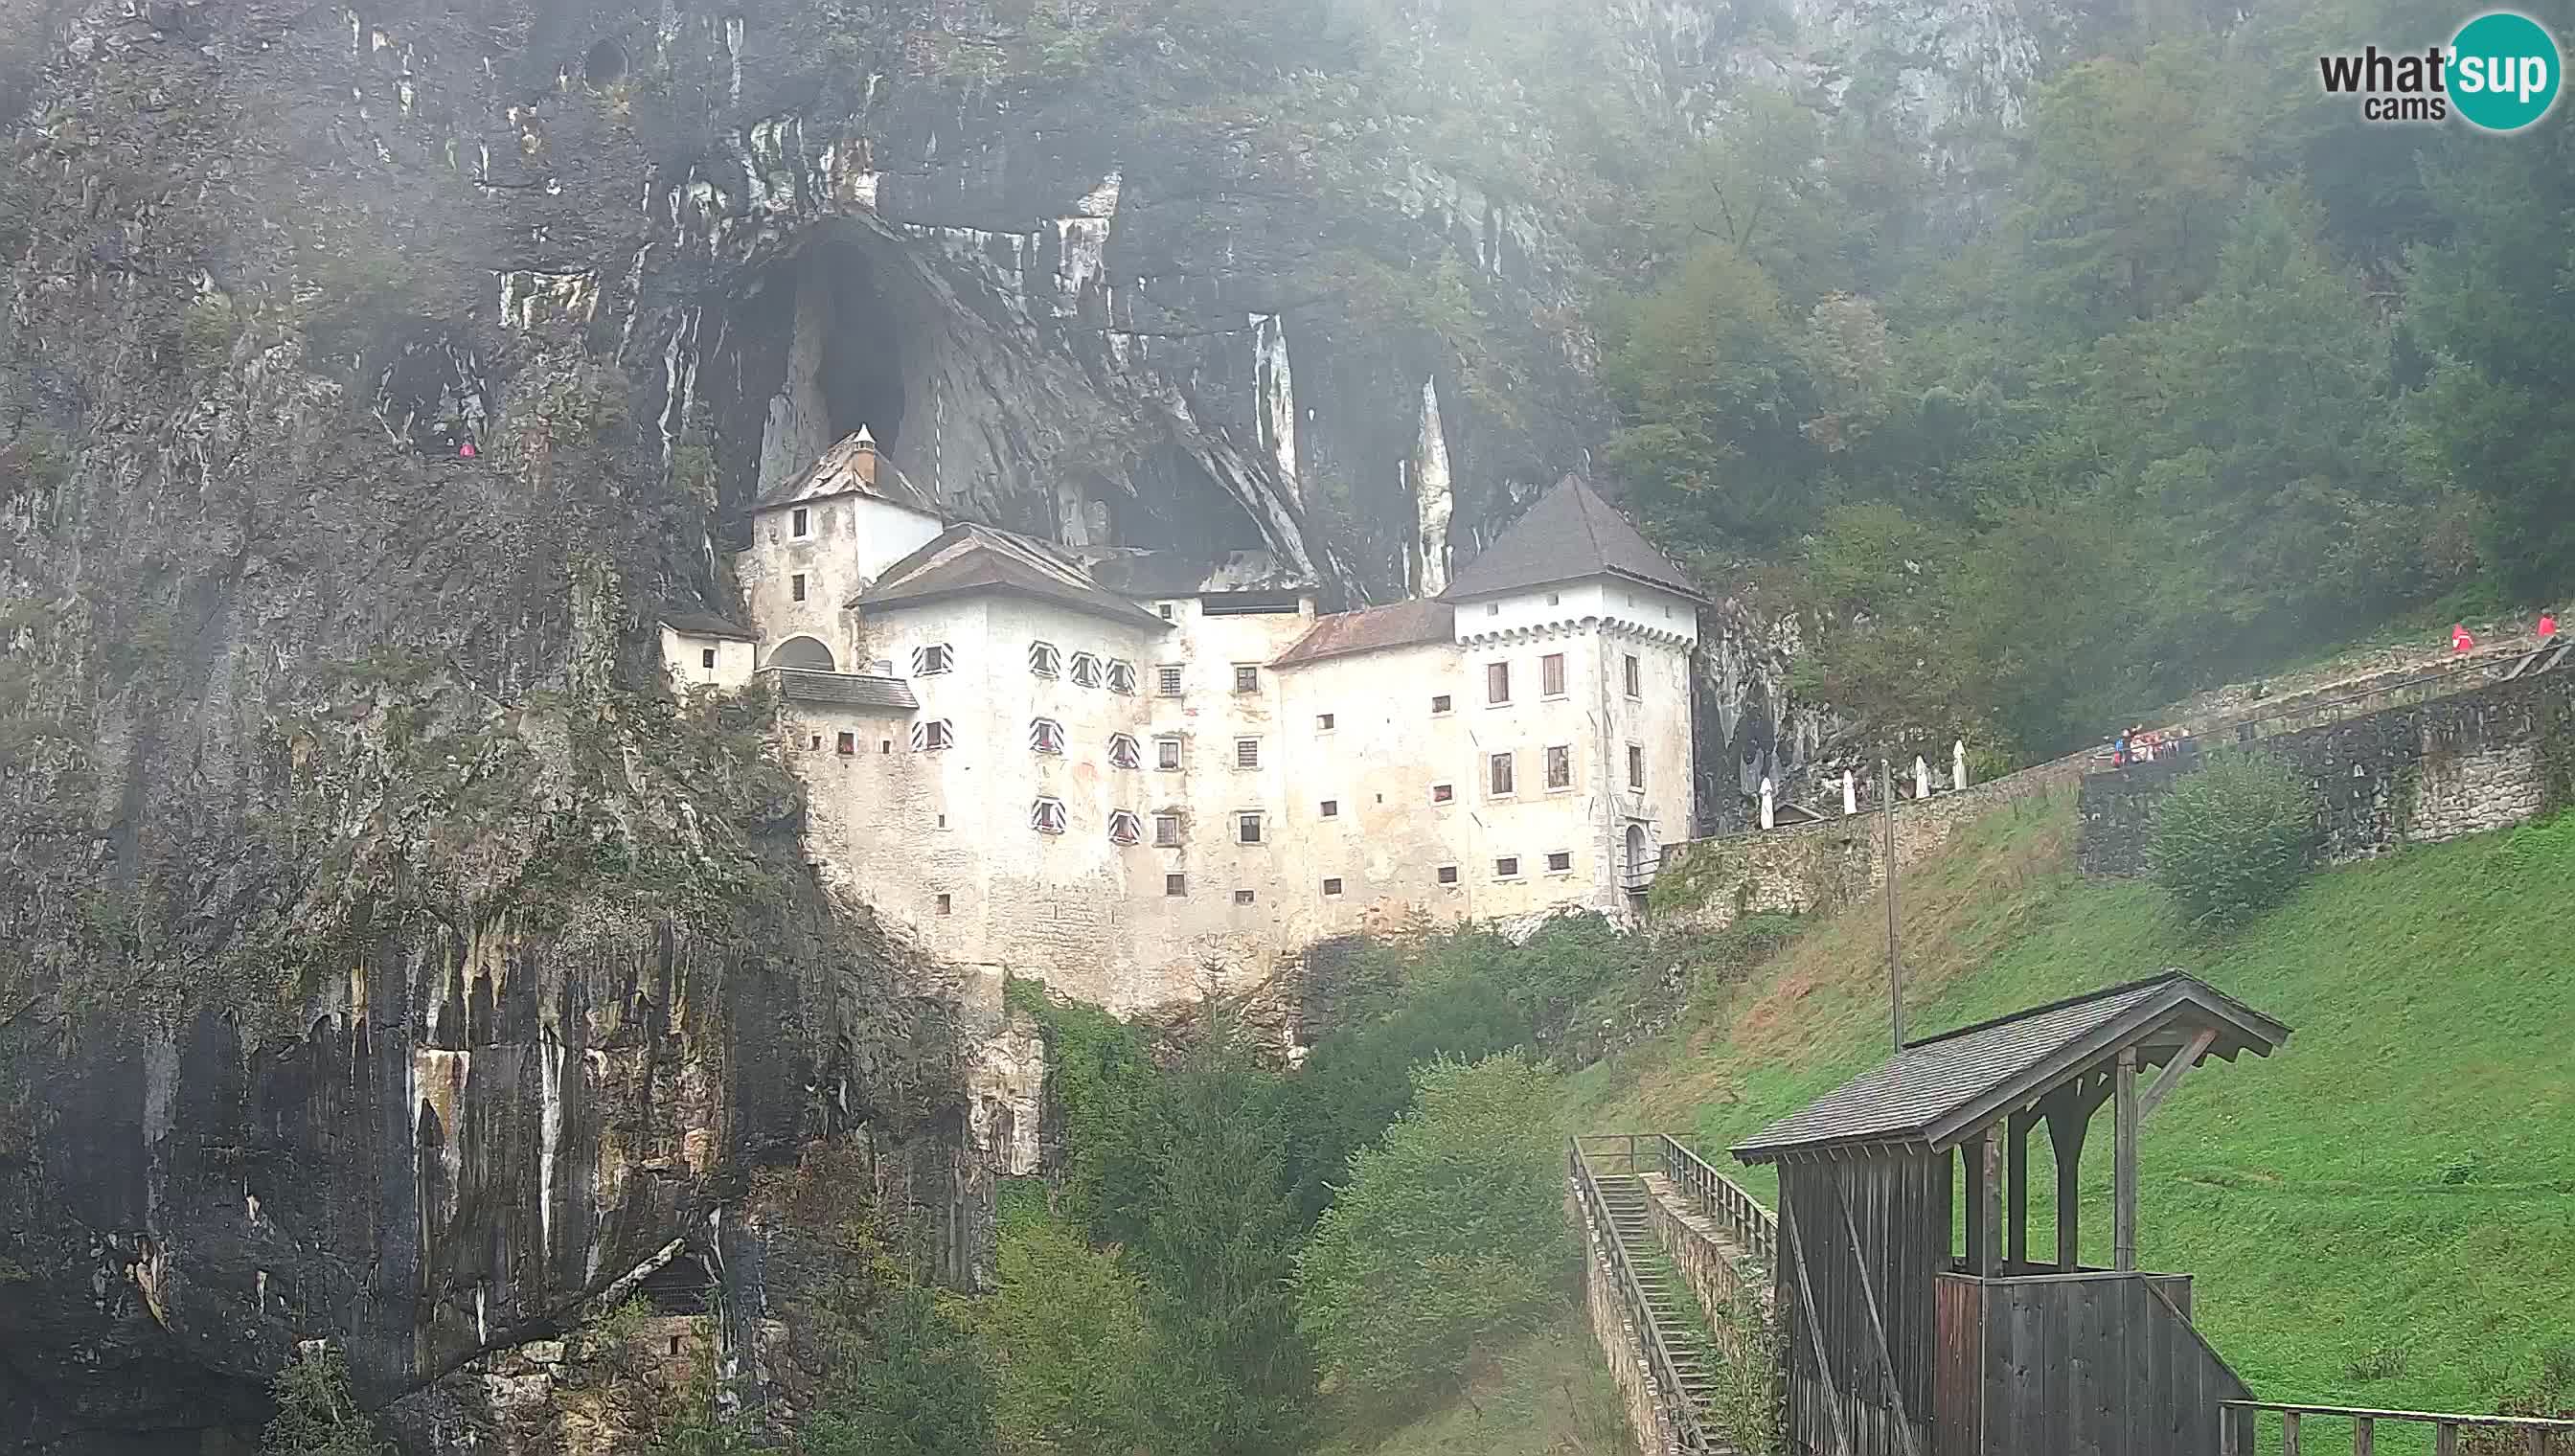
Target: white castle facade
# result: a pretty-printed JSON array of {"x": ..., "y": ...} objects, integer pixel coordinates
[{"x": 1122, "y": 775}]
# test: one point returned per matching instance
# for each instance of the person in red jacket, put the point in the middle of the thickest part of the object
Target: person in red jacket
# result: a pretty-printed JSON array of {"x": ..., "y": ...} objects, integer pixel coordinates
[
  {"x": 2547, "y": 628},
  {"x": 2460, "y": 642}
]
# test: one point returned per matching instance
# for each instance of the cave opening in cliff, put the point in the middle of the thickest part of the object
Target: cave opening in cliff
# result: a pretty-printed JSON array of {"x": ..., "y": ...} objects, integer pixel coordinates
[
  {"x": 824, "y": 355},
  {"x": 681, "y": 1286}
]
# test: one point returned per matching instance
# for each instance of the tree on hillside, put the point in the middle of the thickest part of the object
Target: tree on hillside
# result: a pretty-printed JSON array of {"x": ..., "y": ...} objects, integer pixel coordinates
[
  {"x": 316, "y": 1414},
  {"x": 2233, "y": 839},
  {"x": 1231, "y": 1373},
  {"x": 1449, "y": 1239},
  {"x": 901, "y": 1379},
  {"x": 1068, "y": 1338}
]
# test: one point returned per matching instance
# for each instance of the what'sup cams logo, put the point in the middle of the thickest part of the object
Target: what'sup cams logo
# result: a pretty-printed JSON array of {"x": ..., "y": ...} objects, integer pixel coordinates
[{"x": 2500, "y": 73}]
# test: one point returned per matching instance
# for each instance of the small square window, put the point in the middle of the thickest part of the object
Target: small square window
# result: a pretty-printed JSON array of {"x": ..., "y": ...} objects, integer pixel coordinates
[
  {"x": 1125, "y": 827},
  {"x": 1560, "y": 766},
  {"x": 1167, "y": 679},
  {"x": 1635, "y": 676},
  {"x": 1045, "y": 736},
  {"x": 937, "y": 734},
  {"x": 1247, "y": 828},
  {"x": 1492, "y": 608},
  {"x": 1122, "y": 678},
  {"x": 1636, "y": 766},
  {"x": 932, "y": 660},
  {"x": 1501, "y": 775},
  {"x": 818, "y": 741},
  {"x": 1086, "y": 669},
  {"x": 1242, "y": 897},
  {"x": 846, "y": 743},
  {"x": 1497, "y": 681},
  {"x": 796, "y": 586},
  {"x": 1506, "y": 867},
  {"x": 1122, "y": 752},
  {"x": 1331, "y": 808},
  {"x": 1044, "y": 659},
  {"x": 804, "y": 524},
  {"x": 1552, "y": 599},
  {"x": 947, "y": 903},
  {"x": 1167, "y": 831},
  {"x": 885, "y": 746},
  {"x": 1047, "y": 815},
  {"x": 1323, "y": 721},
  {"x": 1163, "y": 608},
  {"x": 1175, "y": 884},
  {"x": 707, "y": 658},
  {"x": 1331, "y": 887},
  {"x": 1560, "y": 862},
  {"x": 1440, "y": 704},
  {"x": 1167, "y": 752},
  {"x": 1550, "y": 674},
  {"x": 1247, "y": 753},
  {"x": 1442, "y": 793},
  {"x": 1246, "y": 678},
  {"x": 1447, "y": 874}
]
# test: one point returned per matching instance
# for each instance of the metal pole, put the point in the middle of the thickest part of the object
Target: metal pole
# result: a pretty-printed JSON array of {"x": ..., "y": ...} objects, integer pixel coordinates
[{"x": 1894, "y": 967}]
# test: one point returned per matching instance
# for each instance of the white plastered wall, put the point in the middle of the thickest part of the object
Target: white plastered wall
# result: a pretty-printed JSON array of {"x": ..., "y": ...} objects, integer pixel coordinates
[
  {"x": 684, "y": 657},
  {"x": 849, "y": 541}
]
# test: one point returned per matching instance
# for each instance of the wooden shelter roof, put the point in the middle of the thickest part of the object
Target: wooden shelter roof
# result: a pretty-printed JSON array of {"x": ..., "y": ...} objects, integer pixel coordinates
[{"x": 1941, "y": 1090}]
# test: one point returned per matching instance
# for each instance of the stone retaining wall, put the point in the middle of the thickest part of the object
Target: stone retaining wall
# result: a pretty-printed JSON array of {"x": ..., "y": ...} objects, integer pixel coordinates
[
  {"x": 1719, "y": 1273},
  {"x": 2414, "y": 773}
]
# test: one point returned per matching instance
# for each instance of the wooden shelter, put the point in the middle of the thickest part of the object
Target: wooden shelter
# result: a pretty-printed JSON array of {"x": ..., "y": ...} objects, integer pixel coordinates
[{"x": 1899, "y": 1339}]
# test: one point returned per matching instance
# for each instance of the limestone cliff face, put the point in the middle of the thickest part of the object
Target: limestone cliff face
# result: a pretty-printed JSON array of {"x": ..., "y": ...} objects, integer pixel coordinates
[{"x": 382, "y": 957}]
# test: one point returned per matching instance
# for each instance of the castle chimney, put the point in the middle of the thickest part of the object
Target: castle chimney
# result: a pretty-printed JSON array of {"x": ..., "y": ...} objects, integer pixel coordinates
[{"x": 863, "y": 459}]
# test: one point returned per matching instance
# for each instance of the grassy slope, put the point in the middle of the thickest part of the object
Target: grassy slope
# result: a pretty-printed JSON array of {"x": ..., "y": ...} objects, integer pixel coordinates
[{"x": 2383, "y": 1213}]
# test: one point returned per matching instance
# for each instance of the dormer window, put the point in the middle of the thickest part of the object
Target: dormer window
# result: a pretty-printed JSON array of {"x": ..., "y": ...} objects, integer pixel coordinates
[
  {"x": 803, "y": 523},
  {"x": 1086, "y": 670},
  {"x": 932, "y": 660},
  {"x": 1045, "y": 815},
  {"x": 1044, "y": 659},
  {"x": 1045, "y": 736},
  {"x": 1125, "y": 827},
  {"x": 1123, "y": 752},
  {"x": 1122, "y": 678}
]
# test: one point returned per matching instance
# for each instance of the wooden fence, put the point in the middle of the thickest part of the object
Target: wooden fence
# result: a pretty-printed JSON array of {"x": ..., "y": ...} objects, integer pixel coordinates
[{"x": 2239, "y": 1435}]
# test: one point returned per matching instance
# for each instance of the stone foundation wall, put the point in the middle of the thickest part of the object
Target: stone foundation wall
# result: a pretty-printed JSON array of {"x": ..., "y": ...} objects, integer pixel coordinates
[
  {"x": 1719, "y": 1274},
  {"x": 1619, "y": 1342},
  {"x": 1823, "y": 866},
  {"x": 2415, "y": 773}
]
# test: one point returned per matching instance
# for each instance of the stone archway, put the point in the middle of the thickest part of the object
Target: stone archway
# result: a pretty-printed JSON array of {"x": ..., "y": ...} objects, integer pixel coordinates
[{"x": 805, "y": 653}]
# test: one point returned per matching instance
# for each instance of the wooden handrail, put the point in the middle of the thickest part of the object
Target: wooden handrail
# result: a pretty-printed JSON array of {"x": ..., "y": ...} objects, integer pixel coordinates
[
  {"x": 1631, "y": 1292},
  {"x": 1754, "y": 1228},
  {"x": 2237, "y": 1433}
]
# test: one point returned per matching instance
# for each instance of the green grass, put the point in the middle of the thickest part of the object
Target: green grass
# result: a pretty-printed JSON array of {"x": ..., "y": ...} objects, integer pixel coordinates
[
  {"x": 2382, "y": 1213},
  {"x": 1547, "y": 1396}
]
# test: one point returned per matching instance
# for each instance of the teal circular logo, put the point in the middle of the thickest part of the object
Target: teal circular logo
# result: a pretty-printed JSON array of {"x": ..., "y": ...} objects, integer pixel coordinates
[{"x": 2504, "y": 70}]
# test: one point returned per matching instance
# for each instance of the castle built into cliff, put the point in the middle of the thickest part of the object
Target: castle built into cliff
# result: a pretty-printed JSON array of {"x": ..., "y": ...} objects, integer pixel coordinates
[{"x": 1121, "y": 772}]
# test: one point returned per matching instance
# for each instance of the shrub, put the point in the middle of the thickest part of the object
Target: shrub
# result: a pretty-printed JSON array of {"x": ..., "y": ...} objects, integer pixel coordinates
[
  {"x": 316, "y": 1415},
  {"x": 2233, "y": 839}
]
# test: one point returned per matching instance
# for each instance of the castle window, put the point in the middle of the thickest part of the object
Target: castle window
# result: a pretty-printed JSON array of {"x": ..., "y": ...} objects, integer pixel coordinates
[
  {"x": 1246, "y": 678},
  {"x": 804, "y": 524},
  {"x": 1047, "y": 817},
  {"x": 1332, "y": 808},
  {"x": 847, "y": 744},
  {"x": 1167, "y": 679},
  {"x": 1560, "y": 863},
  {"x": 1550, "y": 675},
  {"x": 1242, "y": 897},
  {"x": 1552, "y": 599},
  {"x": 1560, "y": 766},
  {"x": 1123, "y": 752},
  {"x": 1167, "y": 752},
  {"x": 1175, "y": 884},
  {"x": 1323, "y": 721},
  {"x": 1045, "y": 736},
  {"x": 707, "y": 658},
  {"x": 1507, "y": 868},
  {"x": 818, "y": 741},
  {"x": 1247, "y": 753},
  {"x": 1447, "y": 874},
  {"x": 1492, "y": 608},
  {"x": 1086, "y": 670},
  {"x": 1246, "y": 827},
  {"x": 947, "y": 903},
  {"x": 1500, "y": 769},
  {"x": 1167, "y": 831},
  {"x": 1497, "y": 681},
  {"x": 938, "y": 732},
  {"x": 1044, "y": 659},
  {"x": 1163, "y": 608},
  {"x": 1440, "y": 704},
  {"x": 1331, "y": 887},
  {"x": 1125, "y": 827},
  {"x": 1636, "y": 766},
  {"x": 932, "y": 660},
  {"x": 796, "y": 586},
  {"x": 1442, "y": 793},
  {"x": 1122, "y": 678},
  {"x": 1635, "y": 676}
]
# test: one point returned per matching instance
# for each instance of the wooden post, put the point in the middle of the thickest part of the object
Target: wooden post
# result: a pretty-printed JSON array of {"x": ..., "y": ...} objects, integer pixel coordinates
[
  {"x": 2016, "y": 1195},
  {"x": 2123, "y": 1174},
  {"x": 1989, "y": 1247},
  {"x": 2067, "y": 1122},
  {"x": 1971, "y": 1171}
]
